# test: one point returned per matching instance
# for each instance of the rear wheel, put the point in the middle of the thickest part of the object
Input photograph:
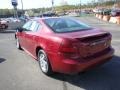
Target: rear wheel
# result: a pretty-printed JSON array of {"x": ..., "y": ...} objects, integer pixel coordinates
[{"x": 44, "y": 63}]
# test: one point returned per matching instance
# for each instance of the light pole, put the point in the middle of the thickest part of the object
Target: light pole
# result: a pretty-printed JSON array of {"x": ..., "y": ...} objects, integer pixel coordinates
[
  {"x": 22, "y": 6},
  {"x": 52, "y": 1},
  {"x": 80, "y": 7}
]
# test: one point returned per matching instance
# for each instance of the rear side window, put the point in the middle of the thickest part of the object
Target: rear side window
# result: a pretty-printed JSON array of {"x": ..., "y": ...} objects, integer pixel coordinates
[{"x": 33, "y": 26}]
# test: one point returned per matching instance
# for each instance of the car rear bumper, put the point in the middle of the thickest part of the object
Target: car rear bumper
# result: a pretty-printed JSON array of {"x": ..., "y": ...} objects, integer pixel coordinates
[{"x": 69, "y": 66}]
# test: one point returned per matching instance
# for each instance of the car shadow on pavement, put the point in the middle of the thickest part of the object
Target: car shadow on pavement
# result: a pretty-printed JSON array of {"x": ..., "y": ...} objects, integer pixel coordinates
[
  {"x": 105, "y": 77},
  {"x": 7, "y": 31},
  {"x": 2, "y": 60}
]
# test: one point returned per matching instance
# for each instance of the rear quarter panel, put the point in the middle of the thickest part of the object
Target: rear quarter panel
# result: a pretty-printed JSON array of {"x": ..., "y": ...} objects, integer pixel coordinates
[{"x": 49, "y": 43}]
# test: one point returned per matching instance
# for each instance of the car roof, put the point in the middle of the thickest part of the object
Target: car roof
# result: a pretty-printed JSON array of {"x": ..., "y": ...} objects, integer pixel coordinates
[{"x": 43, "y": 18}]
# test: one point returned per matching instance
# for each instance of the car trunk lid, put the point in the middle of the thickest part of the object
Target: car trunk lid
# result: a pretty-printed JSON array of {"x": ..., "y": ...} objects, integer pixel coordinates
[
  {"x": 90, "y": 42},
  {"x": 94, "y": 44}
]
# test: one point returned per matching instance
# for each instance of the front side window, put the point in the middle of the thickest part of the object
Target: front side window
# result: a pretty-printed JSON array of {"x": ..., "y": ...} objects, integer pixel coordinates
[
  {"x": 26, "y": 27},
  {"x": 33, "y": 26},
  {"x": 61, "y": 25}
]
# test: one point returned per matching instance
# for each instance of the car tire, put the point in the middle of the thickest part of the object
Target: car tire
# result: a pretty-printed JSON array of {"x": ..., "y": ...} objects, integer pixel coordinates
[
  {"x": 18, "y": 44},
  {"x": 44, "y": 63}
]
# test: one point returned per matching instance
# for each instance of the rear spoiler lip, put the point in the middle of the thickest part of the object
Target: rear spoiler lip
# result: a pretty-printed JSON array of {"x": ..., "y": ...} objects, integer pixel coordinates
[{"x": 91, "y": 35}]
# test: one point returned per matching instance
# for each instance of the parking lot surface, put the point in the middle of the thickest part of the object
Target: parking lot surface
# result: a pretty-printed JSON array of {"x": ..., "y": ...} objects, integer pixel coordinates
[{"x": 19, "y": 71}]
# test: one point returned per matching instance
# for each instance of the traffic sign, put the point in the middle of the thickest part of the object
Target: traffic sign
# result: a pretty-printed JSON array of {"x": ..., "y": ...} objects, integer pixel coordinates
[{"x": 14, "y": 2}]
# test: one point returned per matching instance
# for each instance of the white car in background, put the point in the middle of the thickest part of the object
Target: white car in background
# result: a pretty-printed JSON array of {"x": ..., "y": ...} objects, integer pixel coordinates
[{"x": 3, "y": 24}]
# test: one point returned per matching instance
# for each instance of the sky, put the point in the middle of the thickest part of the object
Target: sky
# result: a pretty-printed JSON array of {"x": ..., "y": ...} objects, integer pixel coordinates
[{"x": 37, "y": 3}]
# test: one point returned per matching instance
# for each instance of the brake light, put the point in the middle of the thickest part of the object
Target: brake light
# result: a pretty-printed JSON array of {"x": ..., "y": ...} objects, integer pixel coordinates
[
  {"x": 69, "y": 50},
  {"x": 68, "y": 46}
]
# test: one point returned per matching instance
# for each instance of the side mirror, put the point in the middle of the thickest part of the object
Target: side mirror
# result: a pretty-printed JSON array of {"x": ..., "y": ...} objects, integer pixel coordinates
[{"x": 19, "y": 29}]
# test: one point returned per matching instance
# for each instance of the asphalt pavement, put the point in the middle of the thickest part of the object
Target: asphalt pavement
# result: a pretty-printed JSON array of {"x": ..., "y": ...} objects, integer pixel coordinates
[{"x": 19, "y": 71}]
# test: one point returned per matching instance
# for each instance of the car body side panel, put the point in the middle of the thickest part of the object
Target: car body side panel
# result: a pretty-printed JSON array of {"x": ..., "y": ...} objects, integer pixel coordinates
[
  {"x": 50, "y": 45},
  {"x": 21, "y": 38}
]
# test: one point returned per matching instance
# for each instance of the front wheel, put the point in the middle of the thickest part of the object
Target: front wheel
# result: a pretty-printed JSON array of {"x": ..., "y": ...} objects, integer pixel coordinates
[{"x": 44, "y": 63}]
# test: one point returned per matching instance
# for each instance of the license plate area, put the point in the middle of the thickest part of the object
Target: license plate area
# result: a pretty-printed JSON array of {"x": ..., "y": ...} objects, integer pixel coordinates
[
  {"x": 89, "y": 49},
  {"x": 98, "y": 46}
]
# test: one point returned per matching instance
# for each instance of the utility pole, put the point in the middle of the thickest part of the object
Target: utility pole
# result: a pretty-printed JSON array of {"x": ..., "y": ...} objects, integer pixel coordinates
[
  {"x": 15, "y": 12},
  {"x": 94, "y": 3},
  {"x": 22, "y": 6},
  {"x": 80, "y": 7},
  {"x": 52, "y": 1}
]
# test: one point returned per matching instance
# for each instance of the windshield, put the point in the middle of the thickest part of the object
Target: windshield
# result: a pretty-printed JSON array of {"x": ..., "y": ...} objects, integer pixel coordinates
[{"x": 61, "y": 25}]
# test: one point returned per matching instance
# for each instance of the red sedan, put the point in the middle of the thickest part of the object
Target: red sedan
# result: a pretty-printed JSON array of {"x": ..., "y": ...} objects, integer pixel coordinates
[{"x": 64, "y": 45}]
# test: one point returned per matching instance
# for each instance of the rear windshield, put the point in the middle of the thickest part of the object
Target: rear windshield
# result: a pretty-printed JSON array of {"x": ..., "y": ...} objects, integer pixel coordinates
[{"x": 62, "y": 25}]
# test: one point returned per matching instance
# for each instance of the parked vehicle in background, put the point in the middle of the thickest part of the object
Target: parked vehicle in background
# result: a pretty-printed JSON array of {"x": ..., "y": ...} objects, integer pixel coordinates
[
  {"x": 115, "y": 12},
  {"x": 106, "y": 11},
  {"x": 12, "y": 20},
  {"x": 102, "y": 11},
  {"x": 73, "y": 14},
  {"x": 48, "y": 14},
  {"x": 16, "y": 20},
  {"x": 24, "y": 18},
  {"x": 64, "y": 45},
  {"x": 3, "y": 24},
  {"x": 87, "y": 11},
  {"x": 98, "y": 11}
]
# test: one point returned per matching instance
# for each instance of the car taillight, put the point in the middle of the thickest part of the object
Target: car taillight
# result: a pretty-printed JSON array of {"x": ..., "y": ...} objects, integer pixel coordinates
[{"x": 69, "y": 50}]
